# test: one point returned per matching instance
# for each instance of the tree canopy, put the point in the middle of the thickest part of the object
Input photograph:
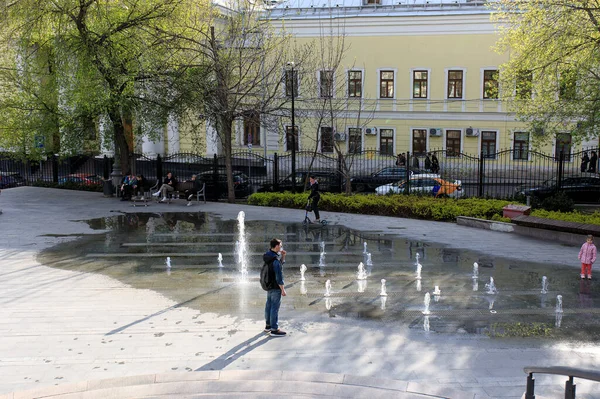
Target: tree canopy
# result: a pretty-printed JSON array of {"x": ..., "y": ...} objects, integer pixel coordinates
[{"x": 552, "y": 76}]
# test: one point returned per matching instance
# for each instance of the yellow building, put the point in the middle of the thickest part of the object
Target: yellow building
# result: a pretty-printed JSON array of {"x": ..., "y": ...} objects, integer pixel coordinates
[{"x": 423, "y": 72}]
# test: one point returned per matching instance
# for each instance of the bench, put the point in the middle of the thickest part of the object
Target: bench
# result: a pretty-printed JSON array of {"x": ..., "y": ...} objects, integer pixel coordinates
[
  {"x": 179, "y": 191},
  {"x": 557, "y": 225}
]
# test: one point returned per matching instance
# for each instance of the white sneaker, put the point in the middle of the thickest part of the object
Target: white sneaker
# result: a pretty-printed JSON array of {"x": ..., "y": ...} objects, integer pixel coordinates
[
  {"x": 156, "y": 194},
  {"x": 189, "y": 204},
  {"x": 164, "y": 199}
]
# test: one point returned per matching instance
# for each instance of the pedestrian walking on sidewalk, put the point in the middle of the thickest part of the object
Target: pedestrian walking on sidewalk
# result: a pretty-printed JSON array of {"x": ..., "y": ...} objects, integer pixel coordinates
[{"x": 587, "y": 256}]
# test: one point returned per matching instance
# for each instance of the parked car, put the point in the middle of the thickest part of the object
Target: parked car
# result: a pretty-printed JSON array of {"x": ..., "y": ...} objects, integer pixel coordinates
[
  {"x": 430, "y": 184},
  {"x": 329, "y": 181},
  {"x": 242, "y": 185},
  {"x": 11, "y": 179},
  {"x": 579, "y": 189},
  {"x": 81, "y": 178},
  {"x": 383, "y": 176}
]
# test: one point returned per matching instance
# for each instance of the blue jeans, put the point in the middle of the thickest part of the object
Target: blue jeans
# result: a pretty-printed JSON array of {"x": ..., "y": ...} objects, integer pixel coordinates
[{"x": 272, "y": 308}]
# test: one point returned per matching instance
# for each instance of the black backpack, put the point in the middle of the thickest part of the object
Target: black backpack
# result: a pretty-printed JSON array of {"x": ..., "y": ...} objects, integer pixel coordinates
[{"x": 267, "y": 276}]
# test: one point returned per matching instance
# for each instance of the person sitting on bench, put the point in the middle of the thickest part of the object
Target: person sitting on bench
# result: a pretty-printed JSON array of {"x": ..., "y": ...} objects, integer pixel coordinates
[
  {"x": 189, "y": 194},
  {"x": 167, "y": 187},
  {"x": 128, "y": 186}
]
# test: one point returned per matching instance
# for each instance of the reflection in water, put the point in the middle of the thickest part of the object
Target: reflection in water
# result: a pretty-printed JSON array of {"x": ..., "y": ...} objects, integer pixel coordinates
[
  {"x": 133, "y": 249},
  {"x": 426, "y": 323}
]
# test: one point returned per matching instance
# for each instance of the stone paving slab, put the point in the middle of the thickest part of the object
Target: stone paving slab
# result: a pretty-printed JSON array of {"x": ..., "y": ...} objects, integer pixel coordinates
[{"x": 65, "y": 327}]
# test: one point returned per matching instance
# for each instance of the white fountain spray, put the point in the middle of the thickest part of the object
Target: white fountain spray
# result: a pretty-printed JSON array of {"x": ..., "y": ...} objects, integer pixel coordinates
[
  {"x": 362, "y": 285},
  {"x": 558, "y": 320},
  {"x": 168, "y": 263},
  {"x": 426, "y": 302},
  {"x": 369, "y": 261},
  {"x": 323, "y": 247},
  {"x": 362, "y": 273},
  {"x": 426, "y": 323},
  {"x": 491, "y": 287},
  {"x": 243, "y": 246},
  {"x": 436, "y": 293},
  {"x": 559, "y": 308},
  {"x": 322, "y": 259},
  {"x": 417, "y": 256},
  {"x": 303, "y": 287},
  {"x": 328, "y": 303},
  {"x": 544, "y": 285},
  {"x": 419, "y": 267},
  {"x": 383, "y": 289},
  {"x": 475, "y": 270},
  {"x": 365, "y": 248},
  {"x": 220, "y": 259},
  {"x": 302, "y": 271},
  {"x": 328, "y": 288},
  {"x": 419, "y": 285},
  {"x": 475, "y": 284},
  {"x": 383, "y": 301}
]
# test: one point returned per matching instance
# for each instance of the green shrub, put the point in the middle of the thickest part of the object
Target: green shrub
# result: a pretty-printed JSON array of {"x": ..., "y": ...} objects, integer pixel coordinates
[{"x": 558, "y": 202}]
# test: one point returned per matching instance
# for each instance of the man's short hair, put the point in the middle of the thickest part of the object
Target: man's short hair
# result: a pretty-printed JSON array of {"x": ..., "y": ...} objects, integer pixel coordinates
[
  {"x": 275, "y": 242},
  {"x": 312, "y": 176}
]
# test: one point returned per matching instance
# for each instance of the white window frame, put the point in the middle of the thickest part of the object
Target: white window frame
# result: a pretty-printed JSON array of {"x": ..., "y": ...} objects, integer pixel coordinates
[
  {"x": 379, "y": 70},
  {"x": 285, "y": 137},
  {"x": 362, "y": 138},
  {"x": 480, "y": 139},
  {"x": 362, "y": 82},
  {"x": 512, "y": 145},
  {"x": 319, "y": 82},
  {"x": 410, "y": 141},
  {"x": 464, "y": 83},
  {"x": 462, "y": 138},
  {"x": 393, "y": 129},
  {"x": 481, "y": 76},
  {"x": 412, "y": 80}
]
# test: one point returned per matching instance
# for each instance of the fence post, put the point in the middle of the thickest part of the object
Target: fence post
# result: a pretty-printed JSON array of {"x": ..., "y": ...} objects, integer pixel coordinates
[
  {"x": 159, "y": 168},
  {"x": 481, "y": 170},
  {"x": 530, "y": 393},
  {"x": 570, "y": 389},
  {"x": 54, "y": 168},
  {"x": 408, "y": 163},
  {"x": 560, "y": 170},
  {"x": 275, "y": 172},
  {"x": 341, "y": 175}
]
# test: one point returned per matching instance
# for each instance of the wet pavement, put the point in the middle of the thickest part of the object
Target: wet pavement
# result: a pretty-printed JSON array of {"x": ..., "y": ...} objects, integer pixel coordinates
[{"x": 87, "y": 295}]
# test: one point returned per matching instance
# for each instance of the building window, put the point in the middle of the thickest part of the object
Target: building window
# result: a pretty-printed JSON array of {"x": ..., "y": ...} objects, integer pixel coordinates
[
  {"x": 251, "y": 128},
  {"x": 291, "y": 83},
  {"x": 567, "y": 85},
  {"x": 386, "y": 141},
  {"x": 490, "y": 84},
  {"x": 373, "y": 2},
  {"x": 326, "y": 139},
  {"x": 563, "y": 145},
  {"x": 354, "y": 83},
  {"x": 455, "y": 84},
  {"x": 291, "y": 138},
  {"x": 453, "y": 143},
  {"x": 419, "y": 141},
  {"x": 386, "y": 79},
  {"x": 326, "y": 84},
  {"x": 354, "y": 140},
  {"x": 521, "y": 146},
  {"x": 488, "y": 144},
  {"x": 419, "y": 84},
  {"x": 523, "y": 86}
]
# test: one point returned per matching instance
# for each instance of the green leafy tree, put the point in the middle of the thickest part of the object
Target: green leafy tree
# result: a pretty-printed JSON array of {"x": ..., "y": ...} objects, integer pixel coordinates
[
  {"x": 552, "y": 76},
  {"x": 74, "y": 60}
]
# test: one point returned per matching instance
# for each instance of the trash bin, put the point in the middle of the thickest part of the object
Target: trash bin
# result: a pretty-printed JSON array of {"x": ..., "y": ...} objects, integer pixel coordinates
[{"x": 108, "y": 188}]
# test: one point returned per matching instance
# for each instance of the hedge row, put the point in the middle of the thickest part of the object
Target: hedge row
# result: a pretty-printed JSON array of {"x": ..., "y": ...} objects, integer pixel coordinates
[{"x": 411, "y": 206}]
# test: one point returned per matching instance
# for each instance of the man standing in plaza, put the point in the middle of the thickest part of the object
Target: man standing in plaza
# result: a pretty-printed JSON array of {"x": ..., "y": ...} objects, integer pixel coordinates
[{"x": 275, "y": 257}]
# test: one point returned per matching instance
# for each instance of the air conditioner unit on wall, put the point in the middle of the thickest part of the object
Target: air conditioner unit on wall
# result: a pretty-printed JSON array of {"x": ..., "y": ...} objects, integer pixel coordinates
[
  {"x": 435, "y": 131},
  {"x": 339, "y": 137},
  {"x": 471, "y": 132},
  {"x": 371, "y": 130}
]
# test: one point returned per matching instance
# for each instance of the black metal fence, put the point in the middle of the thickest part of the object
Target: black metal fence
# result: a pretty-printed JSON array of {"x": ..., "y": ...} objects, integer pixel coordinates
[{"x": 502, "y": 174}]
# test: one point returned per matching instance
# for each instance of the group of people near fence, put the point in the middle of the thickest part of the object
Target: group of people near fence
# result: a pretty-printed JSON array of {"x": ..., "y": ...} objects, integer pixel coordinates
[
  {"x": 588, "y": 164},
  {"x": 135, "y": 186},
  {"x": 430, "y": 163}
]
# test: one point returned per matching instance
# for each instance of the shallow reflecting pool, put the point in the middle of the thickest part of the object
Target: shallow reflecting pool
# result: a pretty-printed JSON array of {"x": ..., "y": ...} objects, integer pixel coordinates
[{"x": 138, "y": 248}]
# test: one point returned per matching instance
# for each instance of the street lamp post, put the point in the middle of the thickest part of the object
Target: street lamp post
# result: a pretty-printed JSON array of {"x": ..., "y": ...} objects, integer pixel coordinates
[{"x": 291, "y": 65}]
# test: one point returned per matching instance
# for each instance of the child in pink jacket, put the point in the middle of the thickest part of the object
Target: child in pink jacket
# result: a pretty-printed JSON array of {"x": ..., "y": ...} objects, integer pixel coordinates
[{"x": 587, "y": 256}]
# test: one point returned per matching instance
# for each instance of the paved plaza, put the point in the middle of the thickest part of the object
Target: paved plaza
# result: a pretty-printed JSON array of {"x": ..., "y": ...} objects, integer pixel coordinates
[{"x": 69, "y": 331}]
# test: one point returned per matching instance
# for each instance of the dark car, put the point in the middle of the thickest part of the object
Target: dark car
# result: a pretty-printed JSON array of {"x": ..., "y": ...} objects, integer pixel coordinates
[
  {"x": 579, "y": 189},
  {"x": 329, "y": 181},
  {"x": 390, "y": 174},
  {"x": 11, "y": 179},
  {"x": 242, "y": 185}
]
